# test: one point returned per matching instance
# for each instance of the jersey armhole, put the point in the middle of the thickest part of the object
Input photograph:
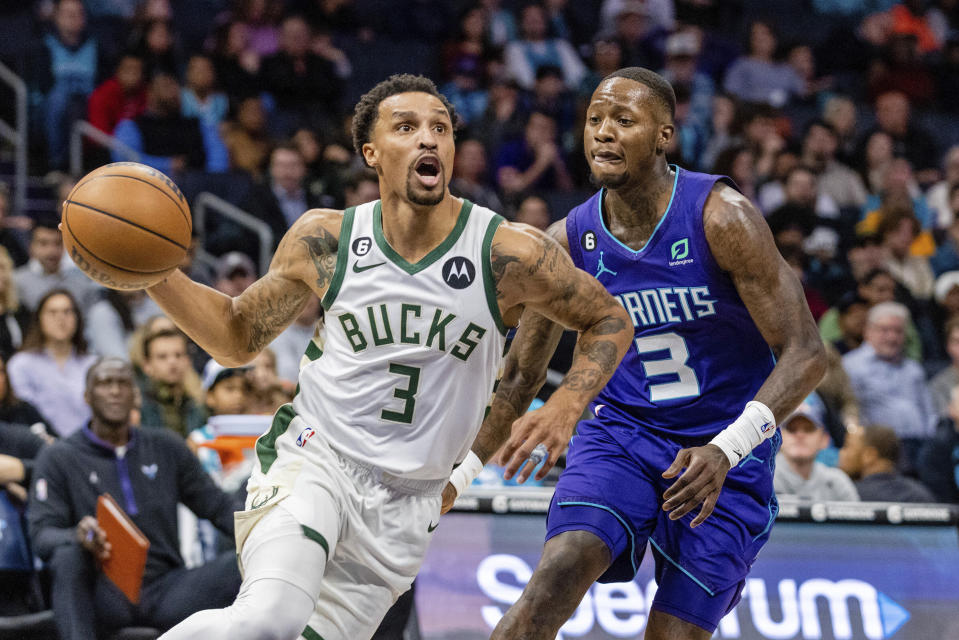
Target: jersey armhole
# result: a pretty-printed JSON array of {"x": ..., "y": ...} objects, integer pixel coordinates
[
  {"x": 573, "y": 239},
  {"x": 342, "y": 254},
  {"x": 488, "y": 283}
]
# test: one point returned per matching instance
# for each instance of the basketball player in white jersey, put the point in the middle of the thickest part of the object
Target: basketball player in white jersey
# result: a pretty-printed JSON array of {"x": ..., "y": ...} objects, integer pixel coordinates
[{"x": 419, "y": 289}]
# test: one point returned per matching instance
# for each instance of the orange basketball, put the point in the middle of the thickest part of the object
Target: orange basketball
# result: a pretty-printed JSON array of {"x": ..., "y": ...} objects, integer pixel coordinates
[{"x": 126, "y": 225}]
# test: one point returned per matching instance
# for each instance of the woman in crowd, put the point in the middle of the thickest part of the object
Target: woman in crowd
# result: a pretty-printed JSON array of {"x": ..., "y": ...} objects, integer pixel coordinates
[
  {"x": 13, "y": 317},
  {"x": 50, "y": 370}
]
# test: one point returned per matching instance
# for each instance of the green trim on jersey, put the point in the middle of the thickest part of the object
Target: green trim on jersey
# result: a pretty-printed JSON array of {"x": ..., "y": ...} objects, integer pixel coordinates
[
  {"x": 342, "y": 256},
  {"x": 430, "y": 257},
  {"x": 313, "y": 351},
  {"x": 316, "y": 537},
  {"x": 266, "y": 444},
  {"x": 488, "y": 283},
  {"x": 310, "y": 634}
]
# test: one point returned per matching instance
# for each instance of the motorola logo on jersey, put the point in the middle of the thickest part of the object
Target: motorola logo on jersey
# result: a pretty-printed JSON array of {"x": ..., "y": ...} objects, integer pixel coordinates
[
  {"x": 459, "y": 272},
  {"x": 588, "y": 241},
  {"x": 361, "y": 246}
]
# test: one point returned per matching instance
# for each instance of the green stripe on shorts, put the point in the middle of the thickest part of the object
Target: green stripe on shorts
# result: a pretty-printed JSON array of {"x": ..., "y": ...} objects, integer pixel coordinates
[
  {"x": 266, "y": 444},
  {"x": 310, "y": 634},
  {"x": 316, "y": 537}
]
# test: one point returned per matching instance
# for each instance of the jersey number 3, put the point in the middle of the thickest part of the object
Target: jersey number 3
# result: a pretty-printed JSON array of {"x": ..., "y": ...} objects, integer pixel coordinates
[
  {"x": 687, "y": 385},
  {"x": 406, "y": 394}
]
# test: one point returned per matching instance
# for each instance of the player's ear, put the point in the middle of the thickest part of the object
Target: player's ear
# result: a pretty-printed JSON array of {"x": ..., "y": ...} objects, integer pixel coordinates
[
  {"x": 666, "y": 133},
  {"x": 370, "y": 155}
]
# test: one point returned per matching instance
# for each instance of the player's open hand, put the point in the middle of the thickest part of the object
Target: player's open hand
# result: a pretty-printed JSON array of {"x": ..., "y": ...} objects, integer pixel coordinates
[
  {"x": 449, "y": 497},
  {"x": 549, "y": 427},
  {"x": 706, "y": 469}
]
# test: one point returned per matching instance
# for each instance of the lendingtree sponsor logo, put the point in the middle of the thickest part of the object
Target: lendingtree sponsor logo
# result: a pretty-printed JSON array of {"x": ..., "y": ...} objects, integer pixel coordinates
[{"x": 814, "y": 609}]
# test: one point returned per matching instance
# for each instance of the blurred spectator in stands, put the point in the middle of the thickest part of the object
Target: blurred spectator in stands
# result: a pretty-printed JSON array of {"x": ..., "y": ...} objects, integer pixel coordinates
[
  {"x": 65, "y": 71},
  {"x": 18, "y": 415},
  {"x": 757, "y": 127},
  {"x": 720, "y": 133},
  {"x": 267, "y": 390},
  {"x": 739, "y": 163},
  {"x": 500, "y": 21},
  {"x": 111, "y": 321},
  {"x": 848, "y": 53},
  {"x": 165, "y": 139},
  {"x": 533, "y": 162},
  {"x": 757, "y": 76},
  {"x": 157, "y": 324},
  {"x": 471, "y": 175},
  {"x": 536, "y": 48},
  {"x": 803, "y": 61},
  {"x": 682, "y": 54},
  {"x": 109, "y": 22},
  {"x": 864, "y": 257},
  {"x": 796, "y": 258},
  {"x": 870, "y": 456},
  {"x": 800, "y": 188},
  {"x": 197, "y": 269},
  {"x": 246, "y": 138},
  {"x": 466, "y": 92},
  {"x": 10, "y": 228},
  {"x": 49, "y": 370},
  {"x": 149, "y": 471},
  {"x": 154, "y": 41},
  {"x": 122, "y": 97},
  {"x": 200, "y": 99},
  {"x": 893, "y": 117},
  {"x": 839, "y": 111},
  {"x": 899, "y": 190},
  {"x": 468, "y": 43},
  {"x": 261, "y": 19},
  {"x": 876, "y": 160},
  {"x": 660, "y": 13},
  {"x": 947, "y": 76},
  {"x": 504, "y": 118},
  {"x": 325, "y": 169},
  {"x": 166, "y": 401},
  {"x": 534, "y": 211},
  {"x": 291, "y": 344},
  {"x": 939, "y": 460},
  {"x": 898, "y": 229},
  {"x": 942, "y": 384},
  {"x": 852, "y": 311},
  {"x": 839, "y": 399},
  {"x": 234, "y": 273},
  {"x": 875, "y": 285},
  {"x": 338, "y": 16},
  {"x": 945, "y": 309},
  {"x": 890, "y": 386},
  {"x": 362, "y": 186},
  {"x": 304, "y": 85},
  {"x": 798, "y": 473},
  {"x": 607, "y": 57},
  {"x": 284, "y": 198},
  {"x": 237, "y": 63},
  {"x": 827, "y": 271},
  {"x": 940, "y": 196},
  {"x": 551, "y": 97},
  {"x": 946, "y": 257},
  {"x": 943, "y": 19},
  {"x": 14, "y": 318},
  {"x": 909, "y": 18},
  {"x": 322, "y": 45},
  {"x": 836, "y": 180},
  {"x": 46, "y": 271},
  {"x": 901, "y": 68}
]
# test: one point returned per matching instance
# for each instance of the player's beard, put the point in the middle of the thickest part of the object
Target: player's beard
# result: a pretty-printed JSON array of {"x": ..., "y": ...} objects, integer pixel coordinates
[
  {"x": 609, "y": 181},
  {"x": 419, "y": 195}
]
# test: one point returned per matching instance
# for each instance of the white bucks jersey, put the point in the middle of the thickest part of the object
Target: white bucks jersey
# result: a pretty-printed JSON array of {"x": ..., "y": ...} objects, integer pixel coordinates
[{"x": 410, "y": 352}]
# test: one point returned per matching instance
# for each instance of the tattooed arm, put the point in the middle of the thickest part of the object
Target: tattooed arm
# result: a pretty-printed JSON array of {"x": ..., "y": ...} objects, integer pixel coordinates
[
  {"x": 536, "y": 278},
  {"x": 234, "y": 330}
]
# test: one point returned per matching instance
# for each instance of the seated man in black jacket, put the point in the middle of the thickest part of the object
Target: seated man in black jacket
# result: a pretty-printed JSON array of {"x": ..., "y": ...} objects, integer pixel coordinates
[{"x": 148, "y": 471}]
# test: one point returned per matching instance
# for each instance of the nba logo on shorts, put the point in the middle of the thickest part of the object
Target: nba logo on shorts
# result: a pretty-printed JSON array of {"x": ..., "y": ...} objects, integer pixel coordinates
[{"x": 305, "y": 435}]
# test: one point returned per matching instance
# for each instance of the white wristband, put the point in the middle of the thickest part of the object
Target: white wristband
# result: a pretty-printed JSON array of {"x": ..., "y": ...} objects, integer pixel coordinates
[
  {"x": 755, "y": 424},
  {"x": 466, "y": 472}
]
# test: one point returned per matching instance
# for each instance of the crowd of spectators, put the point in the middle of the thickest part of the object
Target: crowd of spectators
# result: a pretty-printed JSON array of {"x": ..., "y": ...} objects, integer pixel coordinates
[{"x": 843, "y": 136}]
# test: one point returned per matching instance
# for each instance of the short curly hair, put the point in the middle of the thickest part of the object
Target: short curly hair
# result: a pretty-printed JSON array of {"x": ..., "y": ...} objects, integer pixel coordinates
[{"x": 367, "y": 109}]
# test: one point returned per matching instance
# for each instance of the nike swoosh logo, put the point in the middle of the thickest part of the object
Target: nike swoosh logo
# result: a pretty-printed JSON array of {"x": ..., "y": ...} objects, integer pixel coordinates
[
  {"x": 358, "y": 269},
  {"x": 432, "y": 527}
]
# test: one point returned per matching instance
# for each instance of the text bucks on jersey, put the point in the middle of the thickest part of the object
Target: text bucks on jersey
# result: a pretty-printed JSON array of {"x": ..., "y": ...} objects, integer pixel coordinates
[{"x": 409, "y": 352}]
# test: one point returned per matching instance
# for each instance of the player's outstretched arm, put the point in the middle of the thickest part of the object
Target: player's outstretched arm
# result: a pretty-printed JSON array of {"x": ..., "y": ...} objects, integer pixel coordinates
[
  {"x": 235, "y": 330},
  {"x": 743, "y": 246},
  {"x": 534, "y": 274}
]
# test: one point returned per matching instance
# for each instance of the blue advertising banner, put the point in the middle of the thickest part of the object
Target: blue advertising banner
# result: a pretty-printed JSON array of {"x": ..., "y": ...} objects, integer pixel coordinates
[{"x": 813, "y": 581}]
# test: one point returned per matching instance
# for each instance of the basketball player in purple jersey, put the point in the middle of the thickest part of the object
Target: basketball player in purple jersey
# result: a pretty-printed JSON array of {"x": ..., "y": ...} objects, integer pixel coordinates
[{"x": 724, "y": 347}]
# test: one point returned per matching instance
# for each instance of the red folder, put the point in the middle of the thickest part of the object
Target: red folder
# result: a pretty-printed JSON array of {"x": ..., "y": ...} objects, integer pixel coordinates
[{"x": 128, "y": 548}]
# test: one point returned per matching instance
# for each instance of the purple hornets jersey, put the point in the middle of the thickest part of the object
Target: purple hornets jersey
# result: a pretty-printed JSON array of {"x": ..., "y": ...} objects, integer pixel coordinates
[{"x": 697, "y": 357}]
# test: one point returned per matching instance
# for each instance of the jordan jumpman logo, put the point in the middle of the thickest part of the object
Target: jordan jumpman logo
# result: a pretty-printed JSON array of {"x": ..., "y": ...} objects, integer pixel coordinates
[{"x": 601, "y": 268}]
